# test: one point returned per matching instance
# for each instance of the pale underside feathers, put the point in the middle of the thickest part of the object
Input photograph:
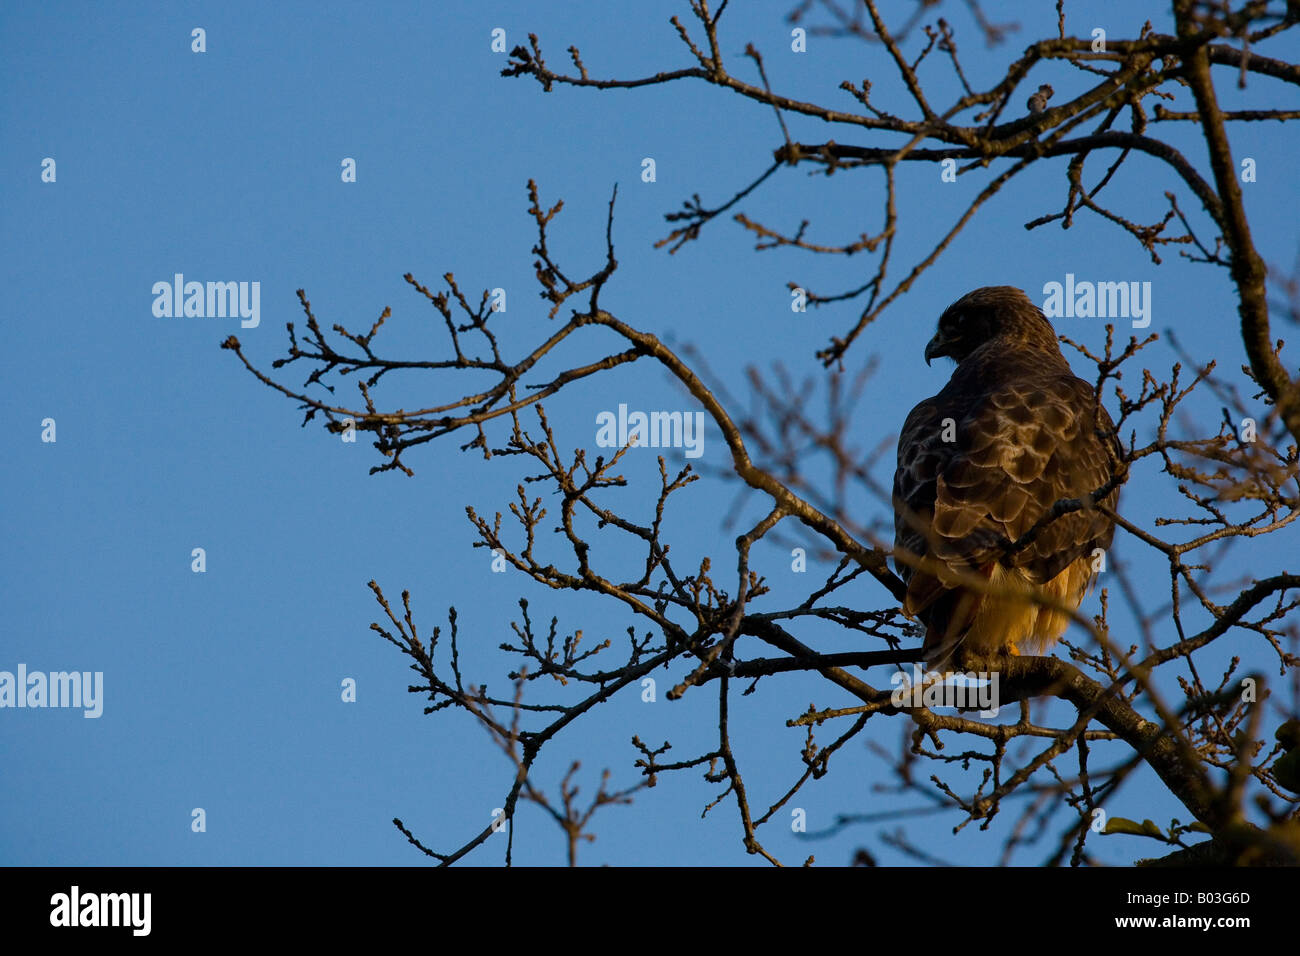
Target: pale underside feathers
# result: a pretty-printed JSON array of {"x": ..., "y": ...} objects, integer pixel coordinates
[{"x": 979, "y": 465}]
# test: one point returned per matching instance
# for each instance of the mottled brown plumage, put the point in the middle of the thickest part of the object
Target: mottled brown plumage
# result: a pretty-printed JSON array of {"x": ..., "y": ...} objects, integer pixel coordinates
[{"x": 979, "y": 464}]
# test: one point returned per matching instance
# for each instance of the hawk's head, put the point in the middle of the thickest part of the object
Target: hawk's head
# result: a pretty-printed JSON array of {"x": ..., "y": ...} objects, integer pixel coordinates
[{"x": 1000, "y": 313}]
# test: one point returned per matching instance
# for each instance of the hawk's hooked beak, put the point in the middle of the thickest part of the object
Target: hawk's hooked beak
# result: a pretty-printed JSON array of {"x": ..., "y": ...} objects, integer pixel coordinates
[{"x": 936, "y": 347}]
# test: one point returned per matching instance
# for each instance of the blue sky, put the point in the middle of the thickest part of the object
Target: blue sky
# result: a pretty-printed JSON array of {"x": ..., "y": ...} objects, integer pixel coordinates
[{"x": 222, "y": 689}]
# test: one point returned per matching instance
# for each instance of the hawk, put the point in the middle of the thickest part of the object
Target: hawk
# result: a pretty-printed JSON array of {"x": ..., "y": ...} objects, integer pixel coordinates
[{"x": 980, "y": 465}]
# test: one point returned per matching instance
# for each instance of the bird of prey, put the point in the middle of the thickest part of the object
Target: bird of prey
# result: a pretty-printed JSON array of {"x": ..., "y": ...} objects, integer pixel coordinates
[{"x": 981, "y": 466}]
